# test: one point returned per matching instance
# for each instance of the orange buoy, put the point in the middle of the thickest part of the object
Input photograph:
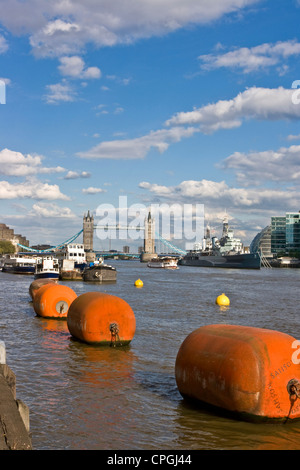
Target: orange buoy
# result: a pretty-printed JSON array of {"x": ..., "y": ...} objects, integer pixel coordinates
[
  {"x": 253, "y": 372},
  {"x": 35, "y": 285},
  {"x": 53, "y": 301},
  {"x": 98, "y": 318}
]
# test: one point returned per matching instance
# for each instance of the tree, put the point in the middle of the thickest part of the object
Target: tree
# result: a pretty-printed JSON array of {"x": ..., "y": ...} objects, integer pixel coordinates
[{"x": 6, "y": 247}]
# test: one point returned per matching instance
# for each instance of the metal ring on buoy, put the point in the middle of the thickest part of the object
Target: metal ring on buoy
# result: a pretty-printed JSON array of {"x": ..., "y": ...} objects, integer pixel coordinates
[
  {"x": 242, "y": 369},
  {"x": 53, "y": 301}
]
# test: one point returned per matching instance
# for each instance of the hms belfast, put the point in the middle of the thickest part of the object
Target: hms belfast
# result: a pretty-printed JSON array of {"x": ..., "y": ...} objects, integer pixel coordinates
[{"x": 226, "y": 252}]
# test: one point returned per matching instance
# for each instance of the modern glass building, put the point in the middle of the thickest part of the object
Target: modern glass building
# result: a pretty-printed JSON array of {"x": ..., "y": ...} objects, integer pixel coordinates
[
  {"x": 293, "y": 231},
  {"x": 285, "y": 233},
  {"x": 278, "y": 234},
  {"x": 261, "y": 243},
  {"x": 282, "y": 236}
]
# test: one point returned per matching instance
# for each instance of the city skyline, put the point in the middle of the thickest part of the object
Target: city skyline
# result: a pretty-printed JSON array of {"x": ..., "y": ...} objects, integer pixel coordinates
[{"x": 178, "y": 104}]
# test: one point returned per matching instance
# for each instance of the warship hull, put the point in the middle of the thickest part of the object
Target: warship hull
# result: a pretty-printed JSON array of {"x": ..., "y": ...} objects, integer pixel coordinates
[{"x": 236, "y": 261}]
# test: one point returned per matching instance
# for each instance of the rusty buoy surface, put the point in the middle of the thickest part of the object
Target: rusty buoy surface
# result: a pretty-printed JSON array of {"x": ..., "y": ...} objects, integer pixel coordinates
[
  {"x": 53, "y": 301},
  {"x": 253, "y": 372},
  {"x": 35, "y": 285},
  {"x": 99, "y": 318}
]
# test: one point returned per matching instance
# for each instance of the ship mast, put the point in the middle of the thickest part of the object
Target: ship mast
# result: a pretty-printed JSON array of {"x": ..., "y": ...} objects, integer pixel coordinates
[{"x": 225, "y": 227}]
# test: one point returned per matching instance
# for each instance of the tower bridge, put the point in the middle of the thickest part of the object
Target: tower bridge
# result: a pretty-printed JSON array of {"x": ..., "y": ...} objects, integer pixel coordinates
[
  {"x": 150, "y": 235},
  {"x": 89, "y": 226}
]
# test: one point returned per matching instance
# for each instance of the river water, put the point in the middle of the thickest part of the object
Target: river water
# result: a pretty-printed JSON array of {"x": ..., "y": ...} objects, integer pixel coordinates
[{"x": 84, "y": 397}]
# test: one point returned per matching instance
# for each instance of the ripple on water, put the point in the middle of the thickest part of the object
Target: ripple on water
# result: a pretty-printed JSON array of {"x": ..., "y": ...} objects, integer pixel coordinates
[{"x": 87, "y": 397}]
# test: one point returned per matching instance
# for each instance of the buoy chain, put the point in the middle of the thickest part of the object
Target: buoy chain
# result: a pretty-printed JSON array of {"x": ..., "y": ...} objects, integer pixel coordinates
[{"x": 114, "y": 330}]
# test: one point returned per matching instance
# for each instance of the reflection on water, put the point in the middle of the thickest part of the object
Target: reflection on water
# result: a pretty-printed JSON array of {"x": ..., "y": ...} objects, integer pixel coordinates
[{"x": 91, "y": 397}]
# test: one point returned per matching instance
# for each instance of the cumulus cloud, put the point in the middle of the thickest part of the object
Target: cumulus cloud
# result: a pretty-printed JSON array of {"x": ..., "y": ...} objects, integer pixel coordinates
[
  {"x": 293, "y": 137},
  {"x": 32, "y": 189},
  {"x": 253, "y": 58},
  {"x": 253, "y": 103},
  {"x": 75, "y": 67},
  {"x": 137, "y": 148},
  {"x": 51, "y": 210},
  {"x": 16, "y": 164},
  {"x": 92, "y": 190},
  {"x": 218, "y": 194},
  {"x": 62, "y": 28},
  {"x": 59, "y": 92},
  {"x": 3, "y": 44},
  {"x": 71, "y": 175},
  {"x": 282, "y": 165}
]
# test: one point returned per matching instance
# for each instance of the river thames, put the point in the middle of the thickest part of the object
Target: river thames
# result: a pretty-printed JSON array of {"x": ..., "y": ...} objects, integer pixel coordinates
[{"x": 84, "y": 397}]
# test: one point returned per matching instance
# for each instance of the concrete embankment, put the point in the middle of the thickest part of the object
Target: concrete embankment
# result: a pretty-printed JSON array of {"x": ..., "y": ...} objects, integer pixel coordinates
[{"x": 14, "y": 414}]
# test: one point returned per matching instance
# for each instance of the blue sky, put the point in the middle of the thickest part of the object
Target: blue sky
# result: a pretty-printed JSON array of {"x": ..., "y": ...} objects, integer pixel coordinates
[{"x": 162, "y": 101}]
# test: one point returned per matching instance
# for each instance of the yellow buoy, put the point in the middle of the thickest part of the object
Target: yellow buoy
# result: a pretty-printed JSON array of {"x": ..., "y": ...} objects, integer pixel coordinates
[
  {"x": 138, "y": 283},
  {"x": 223, "y": 300}
]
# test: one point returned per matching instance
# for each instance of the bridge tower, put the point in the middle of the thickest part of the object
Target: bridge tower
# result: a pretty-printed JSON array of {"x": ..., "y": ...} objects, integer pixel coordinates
[
  {"x": 149, "y": 240},
  {"x": 88, "y": 232}
]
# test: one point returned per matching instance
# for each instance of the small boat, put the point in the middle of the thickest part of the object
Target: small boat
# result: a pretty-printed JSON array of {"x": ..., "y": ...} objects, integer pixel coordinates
[
  {"x": 166, "y": 262},
  {"x": 47, "y": 267},
  {"x": 68, "y": 272},
  {"x": 99, "y": 272},
  {"x": 18, "y": 264}
]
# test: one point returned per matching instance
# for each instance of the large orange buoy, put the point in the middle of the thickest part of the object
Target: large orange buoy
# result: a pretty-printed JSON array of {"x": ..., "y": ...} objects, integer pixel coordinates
[
  {"x": 253, "y": 372},
  {"x": 53, "y": 301},
  {"x": 35, "y": 285},
  {"x": 99, "y": 318}
]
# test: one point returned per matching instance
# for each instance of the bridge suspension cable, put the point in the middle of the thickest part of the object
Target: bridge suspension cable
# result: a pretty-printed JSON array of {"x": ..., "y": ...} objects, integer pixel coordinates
[
  {"x": 173, "y": 247},
  {"x": 70, "y": 240}
]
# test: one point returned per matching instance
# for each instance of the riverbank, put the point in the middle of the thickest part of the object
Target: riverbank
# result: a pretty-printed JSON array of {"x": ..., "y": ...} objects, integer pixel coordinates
[{"x": 14, "y": 414}]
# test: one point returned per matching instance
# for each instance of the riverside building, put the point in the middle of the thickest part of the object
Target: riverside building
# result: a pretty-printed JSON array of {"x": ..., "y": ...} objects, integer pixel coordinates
[{"x": 281, "y": 236}]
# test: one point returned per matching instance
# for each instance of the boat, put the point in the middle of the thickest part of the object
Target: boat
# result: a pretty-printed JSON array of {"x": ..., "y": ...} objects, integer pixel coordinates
[
  {"x": 232, "y": 261},
  {"x": 99, "y": 272},
  {"x": 18, "y": 264},
  {"x": 285, "y": 262},
  {"x": 228, "y": 252},
  {"x": 47, "y": 267},
  {"x": 68, "y": 272},
  {"x": 166, "y": 262},
  {"x": 73, "y": 252}
]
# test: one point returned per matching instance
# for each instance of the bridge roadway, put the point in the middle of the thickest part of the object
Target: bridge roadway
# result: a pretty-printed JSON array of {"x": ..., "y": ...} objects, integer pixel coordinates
[{"x": 111, "y": 254}]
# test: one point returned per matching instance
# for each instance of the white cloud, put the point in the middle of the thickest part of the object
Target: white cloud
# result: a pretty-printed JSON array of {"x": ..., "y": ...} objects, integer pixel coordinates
[
  {"x": 16, "y": 164},
  {"x": 253, "y": 58},
  {"x": 137, "y": 148},
  {"x": 251, "y": 168},
  {"x": 32, "y": 189},
  {"x": 92, "y": 190},
  {"x": 293, "y": 137},
  {"x": 51, "y": 210},
  {"x": 253, "y": 103},
  {"x": 71, "y": 175},
  {"x": 3, "y": 44},
  {"x": 60, "y": 92},
  {"x": 75, "y": 67},
  {"x": 63, "y": 28},
  {"x": 218, "y": 194},
  {"x": 249, "y": 209}
]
